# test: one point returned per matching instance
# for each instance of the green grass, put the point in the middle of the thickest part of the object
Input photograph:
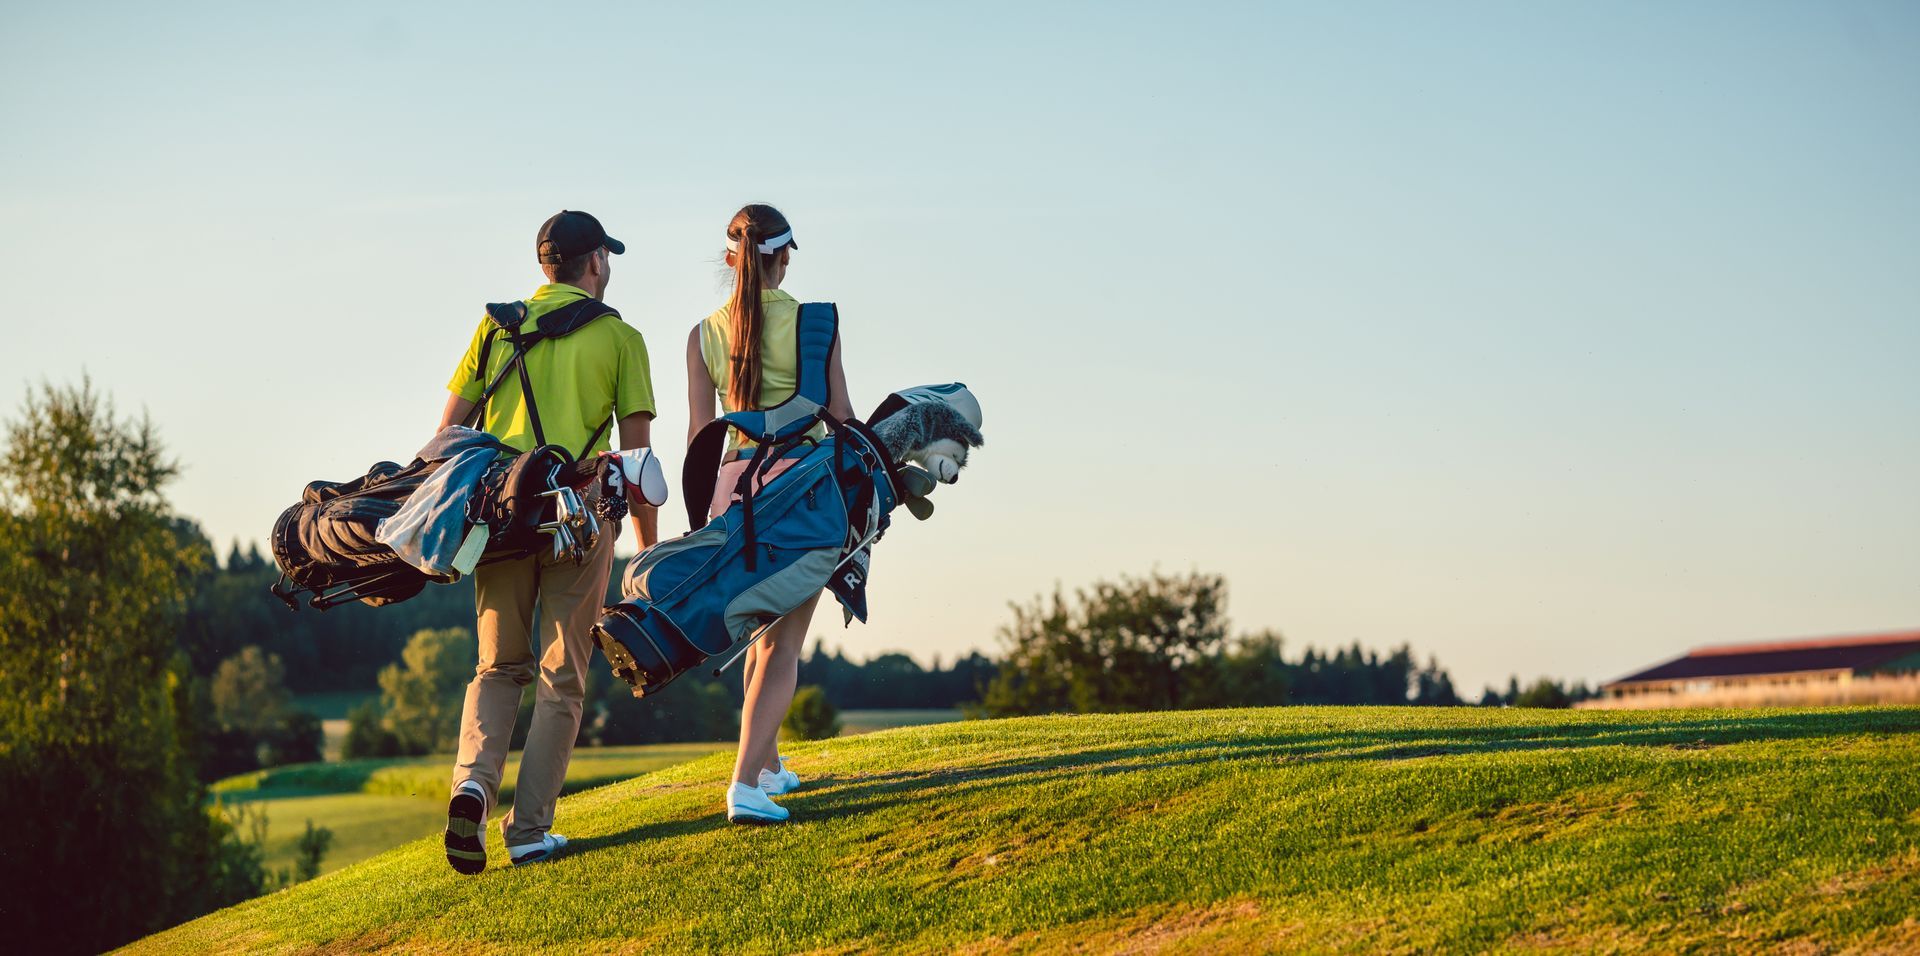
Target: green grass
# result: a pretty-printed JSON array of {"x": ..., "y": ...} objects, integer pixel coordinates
[
  {"x": 1355, "y": 829},
  {"x": 363, "y": 826},
  {"x": 375, "y": 805}
]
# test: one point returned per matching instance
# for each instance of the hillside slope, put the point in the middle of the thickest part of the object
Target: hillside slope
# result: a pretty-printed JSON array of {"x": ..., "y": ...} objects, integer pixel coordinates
[{"x": 1317, "y": 828}]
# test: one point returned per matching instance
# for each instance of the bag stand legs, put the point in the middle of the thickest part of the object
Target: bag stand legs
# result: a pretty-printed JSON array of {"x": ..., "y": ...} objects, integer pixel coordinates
[{"x": 744, "y": 648}]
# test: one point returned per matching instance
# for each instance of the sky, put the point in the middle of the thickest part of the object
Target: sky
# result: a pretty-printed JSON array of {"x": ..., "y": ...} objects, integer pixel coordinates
[{"x": 1549, "y": 339}]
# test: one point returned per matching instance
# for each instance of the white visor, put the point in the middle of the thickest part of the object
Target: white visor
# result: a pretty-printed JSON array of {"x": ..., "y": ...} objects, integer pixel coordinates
[{"x": 767, "y": 247}]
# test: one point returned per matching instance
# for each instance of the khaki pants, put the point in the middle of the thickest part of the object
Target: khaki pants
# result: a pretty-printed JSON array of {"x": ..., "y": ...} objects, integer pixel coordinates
[{"x": 506, "y": 595}]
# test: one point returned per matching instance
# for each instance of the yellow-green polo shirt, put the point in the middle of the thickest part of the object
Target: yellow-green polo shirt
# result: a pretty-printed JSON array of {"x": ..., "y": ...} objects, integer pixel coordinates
[
  {"x": 578, "y": 379},
  {"x": 779, "y": 368}
]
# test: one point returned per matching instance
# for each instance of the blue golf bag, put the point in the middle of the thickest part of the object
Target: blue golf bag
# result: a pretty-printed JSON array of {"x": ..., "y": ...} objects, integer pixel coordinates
[{"x": 810, "y": 527}]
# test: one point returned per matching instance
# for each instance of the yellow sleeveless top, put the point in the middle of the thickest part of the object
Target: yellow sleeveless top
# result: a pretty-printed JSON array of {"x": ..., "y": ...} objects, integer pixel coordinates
[{"x": 779, "y": 375}]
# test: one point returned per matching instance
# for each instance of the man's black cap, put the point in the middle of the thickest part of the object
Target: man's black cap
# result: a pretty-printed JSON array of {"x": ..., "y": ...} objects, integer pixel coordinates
[{"x": 571, "y": 234}]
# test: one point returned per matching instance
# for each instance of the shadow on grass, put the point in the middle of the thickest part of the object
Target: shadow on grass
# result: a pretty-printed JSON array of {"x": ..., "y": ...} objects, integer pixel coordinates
[
  {"x": 858, "y": 793},
  {"x": 830, "y": 797},
  {"x": 658, "y": 830}
]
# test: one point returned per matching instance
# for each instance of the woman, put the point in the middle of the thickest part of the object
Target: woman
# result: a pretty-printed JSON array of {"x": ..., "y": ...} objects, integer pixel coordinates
[{"x": 744, "y": 355}]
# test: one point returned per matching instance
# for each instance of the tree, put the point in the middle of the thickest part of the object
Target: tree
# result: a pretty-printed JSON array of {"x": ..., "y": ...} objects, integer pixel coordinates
[
  {"x": 300, "y": 739},
  {"x": 1252, "y": 674},
  {"x": 811, "y": 717},
  {"x": 311, "y": 848},
  {"x": 250, "y": 694},
  {"x": 1432, "y": 686},
  {"x": 367, "y": 734},
  {"x": 255, "y": 723},
  {"x": 1138, "y": 644},
  {"x": 1544, "y": 692},
  {"x": 422, "y": 696},
  {"x": 96, "y": 765},
  {"x": 693, "y": 709}
]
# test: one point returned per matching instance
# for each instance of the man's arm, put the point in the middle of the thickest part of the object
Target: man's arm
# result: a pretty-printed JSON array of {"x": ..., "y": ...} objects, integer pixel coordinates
[
  {"x": 456, "y": 411},
  {"x": 636, "y": 431}
]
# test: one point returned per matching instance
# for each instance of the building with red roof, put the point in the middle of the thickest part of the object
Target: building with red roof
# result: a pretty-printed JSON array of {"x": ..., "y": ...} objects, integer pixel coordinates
[{"x": 1859, "y": 669}]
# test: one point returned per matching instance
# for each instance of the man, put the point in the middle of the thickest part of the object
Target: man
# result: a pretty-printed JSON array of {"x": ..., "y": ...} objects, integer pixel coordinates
[{"x": 579, "y": 380}]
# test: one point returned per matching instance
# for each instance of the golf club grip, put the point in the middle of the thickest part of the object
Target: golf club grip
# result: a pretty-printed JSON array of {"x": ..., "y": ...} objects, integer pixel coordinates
[{"x": 581, "y": 473}]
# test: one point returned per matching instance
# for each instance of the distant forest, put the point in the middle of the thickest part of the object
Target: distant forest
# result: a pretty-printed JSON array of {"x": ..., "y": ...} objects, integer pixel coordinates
[{"x": 1119, "y": 662}]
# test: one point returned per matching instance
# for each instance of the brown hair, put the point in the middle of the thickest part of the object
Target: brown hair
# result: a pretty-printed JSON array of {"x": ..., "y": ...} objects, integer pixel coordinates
[
  {"x": 752, "y": 225},
  {"x": 568, "y": 271}
]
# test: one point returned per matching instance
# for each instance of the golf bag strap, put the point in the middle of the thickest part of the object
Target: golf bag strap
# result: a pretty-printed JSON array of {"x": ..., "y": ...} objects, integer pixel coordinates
[
  {"x": 511, "y": 317},
  {"x": 520, "y": 349},
  {"x": 586, "y": 450},
  {"x": 818, "y": 330}
]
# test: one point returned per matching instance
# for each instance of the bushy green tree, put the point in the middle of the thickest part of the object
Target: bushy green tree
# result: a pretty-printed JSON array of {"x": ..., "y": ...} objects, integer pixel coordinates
[
  {"x": 299, "y": 739},
  {"x": 110, "y": 839},
  {"x": 250, "y": 693},
  {"x": 1136, "y": 644},
  {"x": 255, "y": 722},
  {"x": 1252, "y": 673},
  {"x": 811, "y": 717},
  {"x": 423, "y": 694},
  {"x": 367, "y": 734}
]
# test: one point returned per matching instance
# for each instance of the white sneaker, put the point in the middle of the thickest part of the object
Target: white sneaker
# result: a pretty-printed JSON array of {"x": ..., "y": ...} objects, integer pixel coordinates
[
  {"x": 750, "y": 805},
  {"x": 775, "y": 784},
  {"x": 535, "y": 852}
]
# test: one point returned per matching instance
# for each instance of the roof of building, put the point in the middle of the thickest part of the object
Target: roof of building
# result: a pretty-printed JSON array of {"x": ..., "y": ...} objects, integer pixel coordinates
[{"x": 1862, "y": 652}]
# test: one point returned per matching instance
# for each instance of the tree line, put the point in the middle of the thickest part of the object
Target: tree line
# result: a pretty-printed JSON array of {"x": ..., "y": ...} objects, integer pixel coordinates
[{"x": 1163, "y": 642}]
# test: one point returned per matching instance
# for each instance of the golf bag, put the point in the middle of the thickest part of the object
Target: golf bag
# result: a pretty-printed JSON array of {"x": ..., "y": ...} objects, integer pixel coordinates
[
  {"x": 326, "y": 545},
  {"x": 326, "y": 548},
  {"x": 807, "y": 528}
]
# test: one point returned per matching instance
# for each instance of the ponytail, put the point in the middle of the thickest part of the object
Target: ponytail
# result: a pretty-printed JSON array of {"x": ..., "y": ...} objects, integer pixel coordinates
[
  {"x": 749, "y": 316},
  {"x": 751, "y": 226}
]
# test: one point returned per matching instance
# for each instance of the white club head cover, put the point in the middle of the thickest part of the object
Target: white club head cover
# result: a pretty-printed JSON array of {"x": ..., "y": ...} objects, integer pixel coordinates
[
  {"x": 955, "y": 394},
  {"x": 641, "y": 468}
]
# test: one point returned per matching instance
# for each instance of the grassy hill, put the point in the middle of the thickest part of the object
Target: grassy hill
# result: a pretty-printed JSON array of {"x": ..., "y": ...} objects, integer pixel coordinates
[
  {"x": 1310, "y": 828},
  {"x": 375, "y": 805}
]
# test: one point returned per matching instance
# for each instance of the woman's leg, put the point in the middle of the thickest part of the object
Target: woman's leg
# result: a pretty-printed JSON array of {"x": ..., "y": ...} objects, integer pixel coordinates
[
  {"x": 748, "y": 669},
  {"x": 771, "y": 693}
]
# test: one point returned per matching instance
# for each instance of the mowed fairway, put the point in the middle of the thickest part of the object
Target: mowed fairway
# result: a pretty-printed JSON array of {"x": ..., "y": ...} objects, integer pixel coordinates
[
  {"x": 1359, "y": 829},
  {"x": 375, "y": 805}
]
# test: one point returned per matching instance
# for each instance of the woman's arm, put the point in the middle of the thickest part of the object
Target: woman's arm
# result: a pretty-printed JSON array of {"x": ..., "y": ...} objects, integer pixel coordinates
[
  {"x": 838, "y": 401},
  {"x": 700, "y": 388}
]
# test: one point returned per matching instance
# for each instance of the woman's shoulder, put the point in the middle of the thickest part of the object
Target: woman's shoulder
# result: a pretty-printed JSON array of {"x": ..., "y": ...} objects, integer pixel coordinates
[{"x": 715, "y": 323}]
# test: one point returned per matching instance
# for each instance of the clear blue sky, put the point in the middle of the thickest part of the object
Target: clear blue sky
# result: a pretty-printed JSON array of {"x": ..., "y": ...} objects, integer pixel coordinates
[{"x": 1549, "y": 338}]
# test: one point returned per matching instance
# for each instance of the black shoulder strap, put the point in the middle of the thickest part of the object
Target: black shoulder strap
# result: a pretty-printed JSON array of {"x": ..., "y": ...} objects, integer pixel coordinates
[
  {"x": 510, "y": 318},
  {"x": 700, "y": 472},
  {"x": 593, "y": 440},
  {"x": 520, "y": 349},
  {"x": 571, "y": 318}
]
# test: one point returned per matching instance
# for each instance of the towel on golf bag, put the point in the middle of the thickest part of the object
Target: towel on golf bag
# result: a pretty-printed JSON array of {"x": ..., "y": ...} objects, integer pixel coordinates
[{"x": 430, "y": 526}]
